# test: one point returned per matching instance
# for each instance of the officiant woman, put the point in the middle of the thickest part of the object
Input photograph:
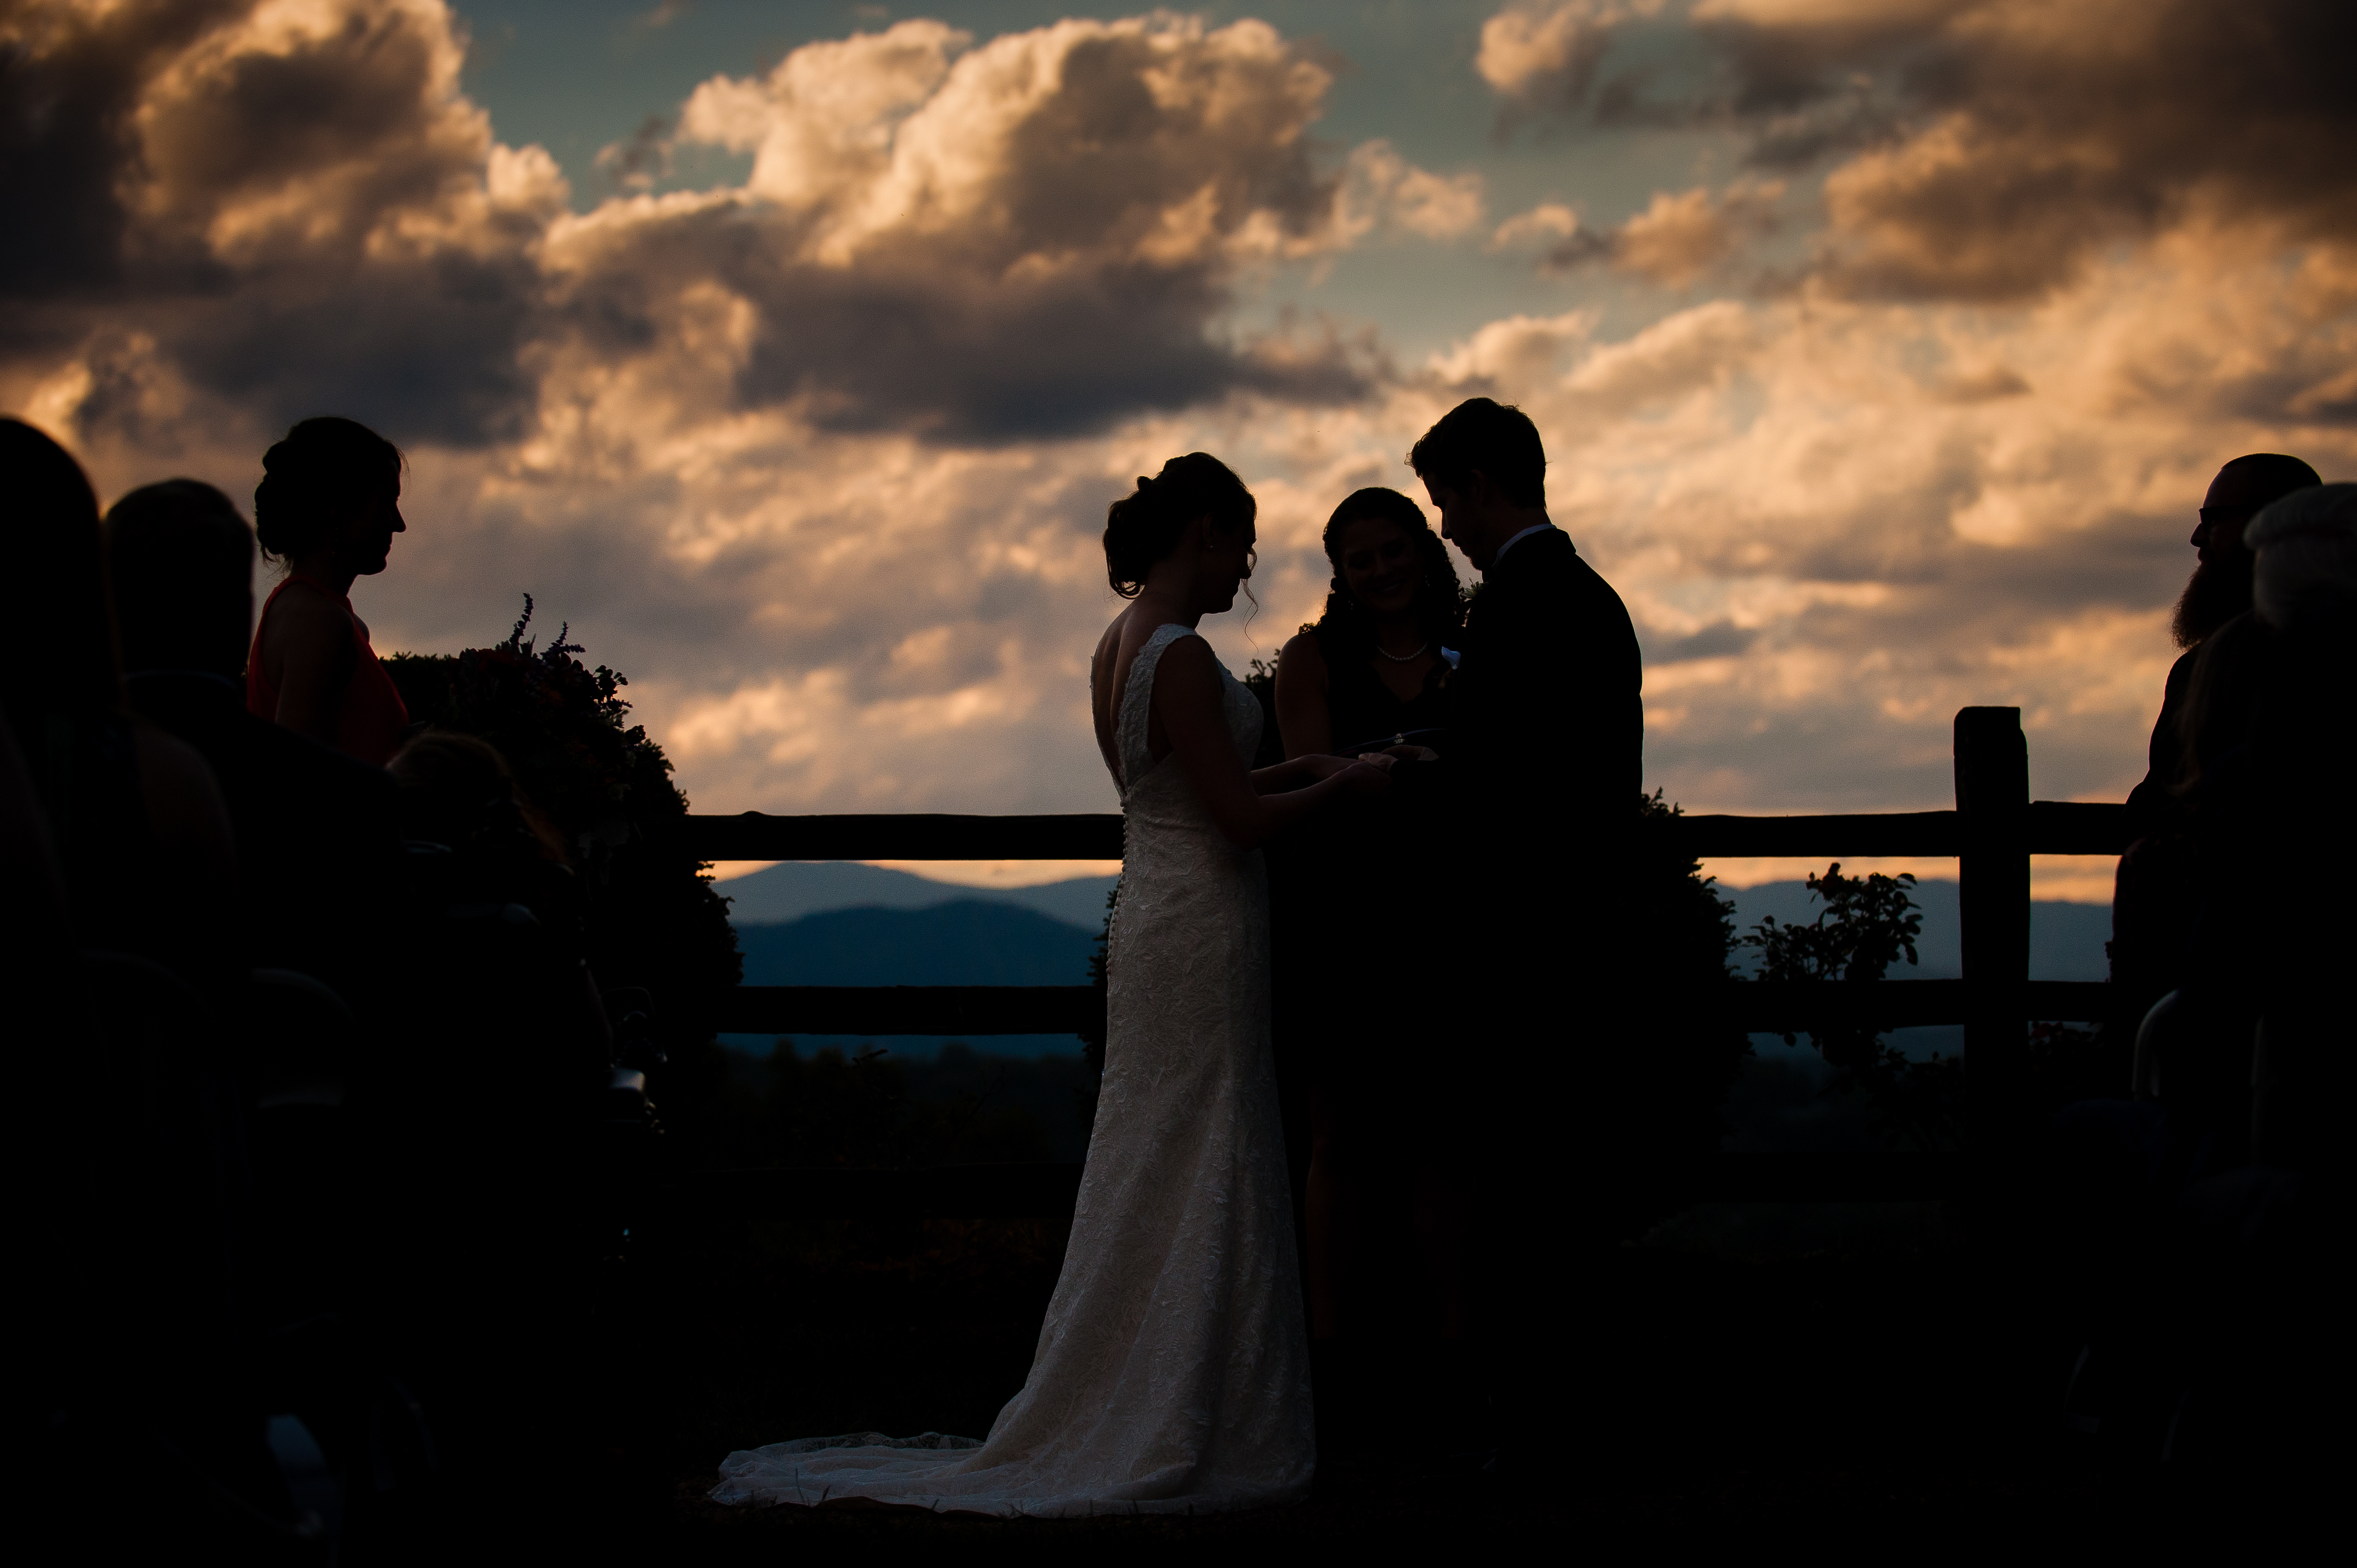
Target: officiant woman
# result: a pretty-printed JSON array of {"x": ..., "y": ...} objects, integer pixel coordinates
[{"x": 1354, "y": 901}]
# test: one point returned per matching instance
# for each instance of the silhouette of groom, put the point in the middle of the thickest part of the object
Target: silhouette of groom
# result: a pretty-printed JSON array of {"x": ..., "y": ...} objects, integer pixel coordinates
[
  {"x": 1546, "y": 736},
  {"x": 1546, "y": 723}
]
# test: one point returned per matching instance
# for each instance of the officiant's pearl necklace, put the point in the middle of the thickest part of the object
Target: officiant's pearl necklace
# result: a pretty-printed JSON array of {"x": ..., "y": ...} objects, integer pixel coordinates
[{"x": 1404, "y": 658}]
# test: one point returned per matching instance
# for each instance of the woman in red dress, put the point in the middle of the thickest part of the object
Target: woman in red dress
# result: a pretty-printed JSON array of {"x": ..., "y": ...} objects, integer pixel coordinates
[{"x": 327, "y": 507}]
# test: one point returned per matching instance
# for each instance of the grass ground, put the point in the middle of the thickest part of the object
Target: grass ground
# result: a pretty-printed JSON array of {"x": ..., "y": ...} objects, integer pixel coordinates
[{"x": 1726, "y": 1384}]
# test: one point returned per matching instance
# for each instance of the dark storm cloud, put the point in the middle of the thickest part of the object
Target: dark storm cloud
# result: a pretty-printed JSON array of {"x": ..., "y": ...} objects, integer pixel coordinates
[
  {"x": 1059, "y": 272},
  {"x": 1990, "y": 148},
  {"x": 957, "y": 358},
  {"x": 910, "y": 349},
  {"x": 430, "y": 351},
  {"x": 68, "y": 88},
  {"x": 297, "y": 212},
  {"x": 295, "y": 215},
  {"x": 2039, "y": 135}
]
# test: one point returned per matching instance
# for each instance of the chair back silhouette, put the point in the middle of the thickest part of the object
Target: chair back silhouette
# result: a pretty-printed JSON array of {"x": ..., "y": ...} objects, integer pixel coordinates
[{"x": 149, "y": 1187}]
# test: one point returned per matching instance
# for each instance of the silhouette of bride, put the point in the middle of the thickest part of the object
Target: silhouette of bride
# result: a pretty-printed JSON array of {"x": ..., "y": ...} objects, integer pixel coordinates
[{"x": 1172, "y": 1371}]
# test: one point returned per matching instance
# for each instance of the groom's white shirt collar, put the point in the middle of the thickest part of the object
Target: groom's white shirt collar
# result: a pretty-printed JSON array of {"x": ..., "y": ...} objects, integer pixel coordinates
[{"x": 1500, "y": 555}]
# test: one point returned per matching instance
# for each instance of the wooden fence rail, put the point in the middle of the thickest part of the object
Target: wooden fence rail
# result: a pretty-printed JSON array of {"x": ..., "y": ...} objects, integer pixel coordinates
[
  {"x": 1754, "y": 1006},
  {"x": 2050, "y": 827},
  {"x": 1992, "y": 833}
]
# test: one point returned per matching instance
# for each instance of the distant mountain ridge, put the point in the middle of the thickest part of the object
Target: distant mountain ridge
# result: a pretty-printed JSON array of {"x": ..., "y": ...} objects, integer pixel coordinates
[
  {"x": 864, "y": 925},
  {"x": 966, "y": 942},
  {"x": 2066, "y": 940},
  {"x": 792, "y": 889}
]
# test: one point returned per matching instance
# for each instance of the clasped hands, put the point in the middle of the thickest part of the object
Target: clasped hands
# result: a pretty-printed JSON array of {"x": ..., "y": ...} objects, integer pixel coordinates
[{"x": 1370, "y": 771}]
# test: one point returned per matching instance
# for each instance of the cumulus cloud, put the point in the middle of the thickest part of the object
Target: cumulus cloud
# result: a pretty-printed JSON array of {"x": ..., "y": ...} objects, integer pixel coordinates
[
  {"x": 2023, "y": 138},
  {"x": 2046, "y": 135},
  {"x": 294, "y": 207},
  {"x": 1678, "y": 239},
  {"x": 642, "y": 158},
  {"x": 1549, "y": 221},
  {"x": 821, "y": 459},
  {"x": 1541, "y": 56},
  {"x": 1988, "y": 150},
  {"x": 1837, "y": 523},
  {"x": 1382, "y": 190},
  {"x": 774, "y": 448},
  {"x": 1675, "y": 241},
  {"x": 1031, "y": 236},
  {"x": 1519, "y": 351},
  {"x": 288, "y": 206}
]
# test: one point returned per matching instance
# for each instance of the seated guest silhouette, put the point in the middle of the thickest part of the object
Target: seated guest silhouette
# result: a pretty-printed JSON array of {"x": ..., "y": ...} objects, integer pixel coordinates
[
  {"x": 2217, "y": 591},
  {"x": 2154, "y": 894},
  {"x": 319, "y": 852},
  {"x": 327, "y": 507},
  {"x": 488, "y": 1145},
  {"x": 128, "y": 1259},
  {"x": 2270, "y": 720},
  {"x": 2214, "y": 1207},
  {"x": 1353, "y": 902},
  {"x": 135, "y": 815},
  {"x": 491, "y": 871}
]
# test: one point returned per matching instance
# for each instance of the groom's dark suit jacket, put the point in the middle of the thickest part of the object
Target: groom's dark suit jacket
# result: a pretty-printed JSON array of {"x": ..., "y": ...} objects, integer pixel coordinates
[
  {"x": 1544, "y": 754},
  {"x": 1547, "y": 724}
]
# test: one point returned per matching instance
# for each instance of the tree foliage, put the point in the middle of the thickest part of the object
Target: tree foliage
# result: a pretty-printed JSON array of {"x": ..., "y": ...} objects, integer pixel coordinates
[
  {"x": 652, "y": 916},
  {"x": 1868, "y": 924},
  {"x": 1656, "y": 1103}
]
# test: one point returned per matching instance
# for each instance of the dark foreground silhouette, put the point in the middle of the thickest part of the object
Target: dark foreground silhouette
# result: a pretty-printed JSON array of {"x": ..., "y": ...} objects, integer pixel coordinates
[{"x": 344, "y": 1213}]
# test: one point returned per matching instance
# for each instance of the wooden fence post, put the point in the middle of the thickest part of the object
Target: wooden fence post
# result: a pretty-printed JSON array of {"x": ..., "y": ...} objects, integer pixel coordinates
[{"x": 1993, "y": 874}]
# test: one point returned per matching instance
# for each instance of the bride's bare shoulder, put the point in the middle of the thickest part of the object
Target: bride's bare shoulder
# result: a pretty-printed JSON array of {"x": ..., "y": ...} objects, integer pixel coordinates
[
  {"x": 1105, "y": 666},
  {"x": 1108, "y": 651},
  {"x": 1111, "y": 638}
]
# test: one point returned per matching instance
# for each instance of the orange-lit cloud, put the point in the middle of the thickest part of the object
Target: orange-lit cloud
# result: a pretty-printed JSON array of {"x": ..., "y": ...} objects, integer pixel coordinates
[
  {"x": 1675, "y": 241},
  {"x": 1542, "y": 55},
  {"x": 820, "y": 457}
]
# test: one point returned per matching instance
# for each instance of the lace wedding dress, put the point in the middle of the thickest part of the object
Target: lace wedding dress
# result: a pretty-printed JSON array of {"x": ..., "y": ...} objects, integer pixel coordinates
[{"x": 1172, "y": 1373}]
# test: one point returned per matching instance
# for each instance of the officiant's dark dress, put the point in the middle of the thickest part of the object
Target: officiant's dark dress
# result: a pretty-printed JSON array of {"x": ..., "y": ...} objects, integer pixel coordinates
[
  {"x": 1367, "y": 714},
  {"x": 1352, "y": 886}
]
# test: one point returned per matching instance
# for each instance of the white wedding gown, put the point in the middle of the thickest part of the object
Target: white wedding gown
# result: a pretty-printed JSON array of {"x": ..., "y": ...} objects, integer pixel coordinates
[{"x": 1172, "y": 1373}]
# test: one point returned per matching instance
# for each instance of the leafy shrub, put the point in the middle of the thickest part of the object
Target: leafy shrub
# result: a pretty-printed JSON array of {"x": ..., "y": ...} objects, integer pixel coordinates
[
  {"x": 1658, "y": 1116},
  {"x": 652, "y": 916},
  {"x": 1868, "y": 924}
]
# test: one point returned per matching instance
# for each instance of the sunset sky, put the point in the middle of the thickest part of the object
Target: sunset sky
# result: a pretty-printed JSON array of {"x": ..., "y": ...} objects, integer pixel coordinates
[{"x": 792, "y": 353}]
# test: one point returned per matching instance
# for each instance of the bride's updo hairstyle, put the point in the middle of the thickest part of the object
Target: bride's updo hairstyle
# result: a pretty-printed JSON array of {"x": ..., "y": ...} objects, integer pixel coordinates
[
  {"x": 1143, "y": 526},
  {"x": 323, "y": 465}
]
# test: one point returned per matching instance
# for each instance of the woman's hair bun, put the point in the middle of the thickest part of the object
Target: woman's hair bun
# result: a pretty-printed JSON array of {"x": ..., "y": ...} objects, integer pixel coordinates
[
  {"x": 1143, "y": 526},
  {"x": 322, "y": 464}
]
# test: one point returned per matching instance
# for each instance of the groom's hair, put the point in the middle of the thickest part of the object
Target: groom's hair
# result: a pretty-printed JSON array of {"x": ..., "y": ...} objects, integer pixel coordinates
[
  {"x": 1143, "y": 526},
  {"x": 1496, "y": 438}
]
